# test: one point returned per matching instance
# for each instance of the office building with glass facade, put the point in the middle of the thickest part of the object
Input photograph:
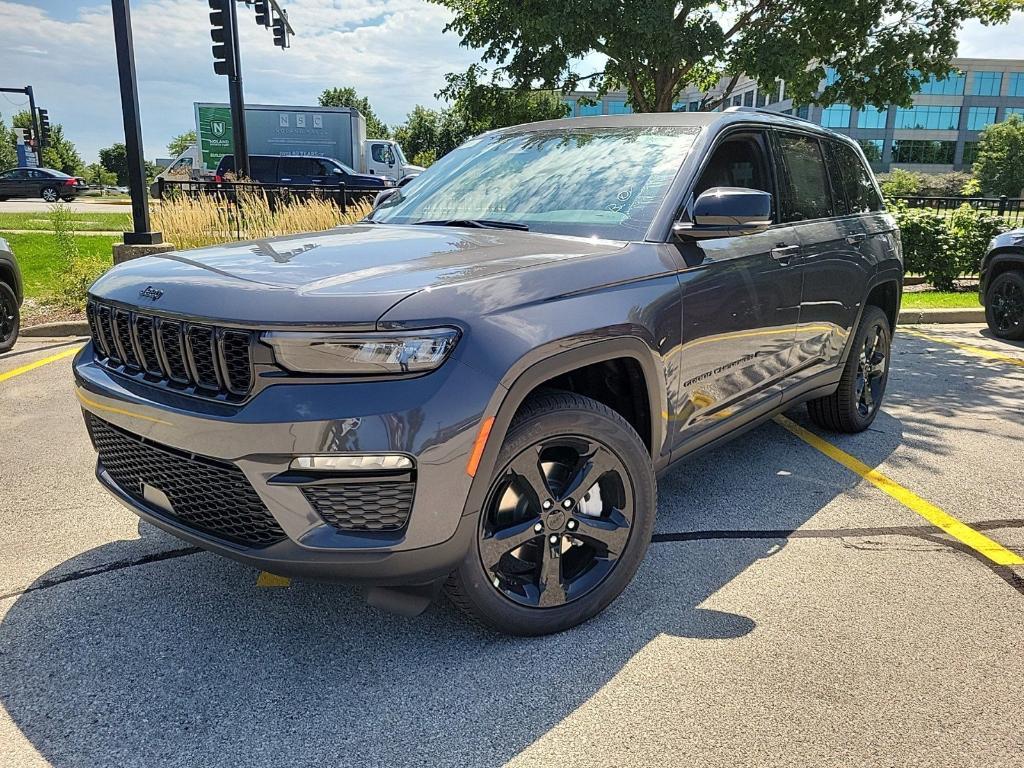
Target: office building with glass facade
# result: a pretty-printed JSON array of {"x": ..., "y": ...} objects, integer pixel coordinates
[{"x": 938, "y": 133}]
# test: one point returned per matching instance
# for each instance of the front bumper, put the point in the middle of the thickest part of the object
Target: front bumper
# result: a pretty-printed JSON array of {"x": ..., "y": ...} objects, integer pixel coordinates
[{"x": 435, "y": 425}]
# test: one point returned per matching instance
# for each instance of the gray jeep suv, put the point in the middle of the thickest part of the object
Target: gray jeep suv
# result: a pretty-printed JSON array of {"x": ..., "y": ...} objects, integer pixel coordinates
[{"x": 476, "y": 387}]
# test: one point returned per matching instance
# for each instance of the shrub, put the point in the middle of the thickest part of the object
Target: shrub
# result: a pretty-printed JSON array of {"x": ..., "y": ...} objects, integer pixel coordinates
[
  {"x": 943, "y": 184},
  {"x": 899, "y": 182},
  {"x": 75, "y": 271},
  {"x": 194, "y": 222},
  {"x": 944, "y": 248}
]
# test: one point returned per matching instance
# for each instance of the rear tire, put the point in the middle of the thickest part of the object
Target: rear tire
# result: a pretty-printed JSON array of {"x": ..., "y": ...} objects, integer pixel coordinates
[
  {"x": 10, "y": 318},
  {"x": 49, "y": 194},
  {"x": 855, "y": 403},
  {"x": 593, "y": 491},
  {"x": 1004, "y": 306}
]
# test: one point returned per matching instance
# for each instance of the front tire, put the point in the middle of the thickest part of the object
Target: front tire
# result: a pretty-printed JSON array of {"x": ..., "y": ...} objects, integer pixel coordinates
[
  {"x": 855, "y": 403},
  {"x": 1004, "y": 306},
  {"x": 10, "y": 318},
  {"x": 566, "y": 520}
]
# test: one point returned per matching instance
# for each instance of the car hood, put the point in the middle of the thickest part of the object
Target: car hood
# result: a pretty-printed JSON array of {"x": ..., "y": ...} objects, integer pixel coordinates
[{"x": 349, "y": 276}]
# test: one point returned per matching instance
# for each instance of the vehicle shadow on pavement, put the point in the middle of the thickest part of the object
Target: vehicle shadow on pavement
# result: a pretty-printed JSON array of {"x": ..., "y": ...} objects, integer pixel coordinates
[{"x": 185, "y": 661}]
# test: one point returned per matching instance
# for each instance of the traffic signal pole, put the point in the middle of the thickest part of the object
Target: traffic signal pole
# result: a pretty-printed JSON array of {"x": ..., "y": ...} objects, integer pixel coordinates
[
  {"x": 27, "y": 90},
  {"x": 142, "y": 235},
  {"x": 235, "y": 97}
]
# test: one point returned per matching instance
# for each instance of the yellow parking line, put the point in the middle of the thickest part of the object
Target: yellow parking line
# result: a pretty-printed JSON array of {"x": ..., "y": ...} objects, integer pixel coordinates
[
  {"x": 39, "y": 363},
  {"x": 963, "y": 533},
  {"x": 980, "y": 351},
  {"x": 272, "y": 580}
]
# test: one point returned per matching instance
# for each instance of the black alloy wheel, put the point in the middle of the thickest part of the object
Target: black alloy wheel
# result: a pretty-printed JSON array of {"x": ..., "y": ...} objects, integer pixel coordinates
[
  {"x": 9, "y": 318},
  {"x": 565, "y": 522},
  {"x": 857, "y": 399},
  {"x": 872, "y": 367},
  {"x": 557, "y": 521},
  {"x": 1004, "y": 306}
]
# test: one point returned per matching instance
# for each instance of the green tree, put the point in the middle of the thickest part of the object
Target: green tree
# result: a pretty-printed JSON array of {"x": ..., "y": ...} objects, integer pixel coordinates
[
  {"x": 180, "y": 143},
  {"x": 114, "y": 159},
  {"x": 348, "y": 97},
  {"x": 8, "y": 154},
  {"x": 97, "y": 175},
  {"x": 879, "y": 49},
  {"x": 484, "y": 106},
  {"x": 420, "y": 133},
  {"x": 999, "y": 166},
  {"x": 60, "y": 152},
  {"x": 900, "y": 182}
]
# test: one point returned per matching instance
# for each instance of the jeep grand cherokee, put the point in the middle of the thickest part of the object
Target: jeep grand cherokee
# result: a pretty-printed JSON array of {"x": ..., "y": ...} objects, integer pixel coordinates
[{"x": 476, "y": 386}]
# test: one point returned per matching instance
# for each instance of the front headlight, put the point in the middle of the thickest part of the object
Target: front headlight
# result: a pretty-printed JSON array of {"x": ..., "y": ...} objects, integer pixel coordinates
[{"x": 362, "y": 354}]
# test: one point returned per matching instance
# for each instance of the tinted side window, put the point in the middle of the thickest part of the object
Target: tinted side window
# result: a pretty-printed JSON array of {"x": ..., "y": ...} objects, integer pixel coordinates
[
  {"x": 321, "y": 167},
  {"x": 739, "y": 161},
  {"x": 840, "y": 198},
  {"x": 263, "y": 168},
  {"x": 294, "y": 166},
  {"x": 807, "y": 194},
  {"x": 860, "y": 191}
]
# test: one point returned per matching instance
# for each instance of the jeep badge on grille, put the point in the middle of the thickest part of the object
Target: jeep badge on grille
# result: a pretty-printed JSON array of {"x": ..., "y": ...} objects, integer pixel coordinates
[{"x": 149, "y": 292}]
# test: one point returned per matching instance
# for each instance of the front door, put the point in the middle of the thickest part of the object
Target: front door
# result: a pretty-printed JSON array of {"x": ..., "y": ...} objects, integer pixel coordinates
[
  {"x": 741, "y": 300},
  {"x": 381, "y": 159}
]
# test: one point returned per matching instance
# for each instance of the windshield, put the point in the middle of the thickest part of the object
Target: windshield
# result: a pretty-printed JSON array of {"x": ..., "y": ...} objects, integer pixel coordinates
[{"x": 589, "y": 182}]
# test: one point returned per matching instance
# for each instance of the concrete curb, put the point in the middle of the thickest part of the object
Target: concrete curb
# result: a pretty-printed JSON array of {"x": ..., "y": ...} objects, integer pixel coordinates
[
  {"x": 65, "y": 328},
  {"x": 942, "y": 316}
]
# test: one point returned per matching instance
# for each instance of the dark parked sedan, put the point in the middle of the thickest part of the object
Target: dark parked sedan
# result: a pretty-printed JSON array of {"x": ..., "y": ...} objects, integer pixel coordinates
[
  {"x": 11, "y": 296},
  {"x": 47, "y": 183}
]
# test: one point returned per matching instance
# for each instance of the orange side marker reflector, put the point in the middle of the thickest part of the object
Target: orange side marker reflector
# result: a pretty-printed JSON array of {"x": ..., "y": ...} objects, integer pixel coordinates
[{"x": 479, "y": 445}]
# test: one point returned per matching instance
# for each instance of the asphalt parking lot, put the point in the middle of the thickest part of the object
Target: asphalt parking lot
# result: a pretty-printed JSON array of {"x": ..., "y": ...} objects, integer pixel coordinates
[{"x": 791, "y": 611}]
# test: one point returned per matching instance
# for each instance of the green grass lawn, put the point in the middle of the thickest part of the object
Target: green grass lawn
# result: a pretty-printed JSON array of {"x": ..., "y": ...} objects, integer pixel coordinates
[
  {"x": 84, "y": 222},
  {"x": 940, "y": 300},
  {"x": 37, "y": 256}
]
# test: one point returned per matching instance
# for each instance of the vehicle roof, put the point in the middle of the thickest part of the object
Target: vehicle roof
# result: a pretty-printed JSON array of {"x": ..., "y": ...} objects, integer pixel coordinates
[{"x": 746, "y": 115}]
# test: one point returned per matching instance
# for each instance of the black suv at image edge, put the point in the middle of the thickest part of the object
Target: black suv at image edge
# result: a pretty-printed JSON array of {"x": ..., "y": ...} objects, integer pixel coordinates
[{"x": 476, "y": 386}]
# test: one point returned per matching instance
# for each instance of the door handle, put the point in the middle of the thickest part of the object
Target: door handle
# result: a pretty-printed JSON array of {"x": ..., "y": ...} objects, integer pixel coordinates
[
  {"x": 785, "y": 252},
  {"x": 284, "y": 179},
  {"x": 856, "y": 239}
]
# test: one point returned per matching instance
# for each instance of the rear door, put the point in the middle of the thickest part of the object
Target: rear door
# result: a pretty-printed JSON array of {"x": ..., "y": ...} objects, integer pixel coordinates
[
  {"x": 295, "y": 170},
  {"x": 830, "y": 260},
  {"x": 741, "y": 300}
]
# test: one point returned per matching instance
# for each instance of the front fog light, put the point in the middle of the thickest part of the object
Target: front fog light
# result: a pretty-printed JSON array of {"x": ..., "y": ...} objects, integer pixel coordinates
[{"x": 352, "y": 462}]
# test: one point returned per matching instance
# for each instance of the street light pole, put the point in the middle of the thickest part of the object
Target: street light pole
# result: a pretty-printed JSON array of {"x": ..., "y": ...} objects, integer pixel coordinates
[{"x": 142, "y": 235}]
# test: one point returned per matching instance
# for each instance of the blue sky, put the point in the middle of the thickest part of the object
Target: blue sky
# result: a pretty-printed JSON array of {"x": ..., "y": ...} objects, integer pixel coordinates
[{"x": 393, "y": 51}]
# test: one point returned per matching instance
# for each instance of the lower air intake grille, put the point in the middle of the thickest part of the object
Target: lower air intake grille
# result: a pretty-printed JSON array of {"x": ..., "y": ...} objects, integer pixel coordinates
[
  {"x": 205, "y": 494},
  {"x": 362, "y": 506}
]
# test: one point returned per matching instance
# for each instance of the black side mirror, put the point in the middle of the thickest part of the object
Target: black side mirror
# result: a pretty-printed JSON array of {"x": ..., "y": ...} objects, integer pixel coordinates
[
  {"x": 382, "y": 196},
  {"x": 727, "y": 212}
]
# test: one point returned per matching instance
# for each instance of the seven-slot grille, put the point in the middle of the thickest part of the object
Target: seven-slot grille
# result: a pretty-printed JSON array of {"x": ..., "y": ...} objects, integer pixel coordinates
[
  {"x": 202, "y": 359},
  {"x": 205, "y": 494}
]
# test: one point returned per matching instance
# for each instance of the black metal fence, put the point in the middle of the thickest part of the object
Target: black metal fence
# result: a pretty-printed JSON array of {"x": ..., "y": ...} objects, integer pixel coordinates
[
  {"x": 1011, "y": 209},
  {"x": 340, "y": 194}
]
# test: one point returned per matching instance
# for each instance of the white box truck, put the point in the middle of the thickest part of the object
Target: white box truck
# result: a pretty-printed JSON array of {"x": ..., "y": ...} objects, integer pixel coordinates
[{"x": 338, "y": 132}]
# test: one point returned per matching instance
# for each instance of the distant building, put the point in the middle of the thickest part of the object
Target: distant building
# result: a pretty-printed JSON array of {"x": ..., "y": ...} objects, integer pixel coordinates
[{"x": 939, "y": 133}]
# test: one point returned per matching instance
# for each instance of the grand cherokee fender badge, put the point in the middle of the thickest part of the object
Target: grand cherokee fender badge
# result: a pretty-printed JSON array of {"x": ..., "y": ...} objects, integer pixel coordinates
[{"x": 149, "y": 292}]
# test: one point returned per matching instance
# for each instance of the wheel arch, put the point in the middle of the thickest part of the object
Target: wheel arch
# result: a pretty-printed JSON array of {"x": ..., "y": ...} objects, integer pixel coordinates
[
  {"x": 9, "y": 275},
  {"x": 998, "y": 261},
  {"x": 521, "y": 382}
]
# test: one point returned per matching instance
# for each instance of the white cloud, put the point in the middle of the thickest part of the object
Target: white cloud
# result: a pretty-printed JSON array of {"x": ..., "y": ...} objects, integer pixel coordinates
[
  {"x": 392, "y": 51},
  {"x": 999, "y": 42}
]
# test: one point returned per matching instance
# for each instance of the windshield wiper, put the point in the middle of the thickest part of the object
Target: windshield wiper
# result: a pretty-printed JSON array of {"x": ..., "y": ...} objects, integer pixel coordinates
[{"x": 478, "y": 223}]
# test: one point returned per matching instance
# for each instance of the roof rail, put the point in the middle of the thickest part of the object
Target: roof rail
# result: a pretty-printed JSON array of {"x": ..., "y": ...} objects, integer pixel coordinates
[{"x": 763, "y": 111}]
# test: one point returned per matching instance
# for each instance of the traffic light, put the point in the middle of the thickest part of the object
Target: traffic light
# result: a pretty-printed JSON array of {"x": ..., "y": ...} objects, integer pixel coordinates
[
  {"x": 44, "y": 127},
  {"x": 280, "y": 32},
  {"x": 262, "y": 9},
  {"x": 223, "y": 56}
]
